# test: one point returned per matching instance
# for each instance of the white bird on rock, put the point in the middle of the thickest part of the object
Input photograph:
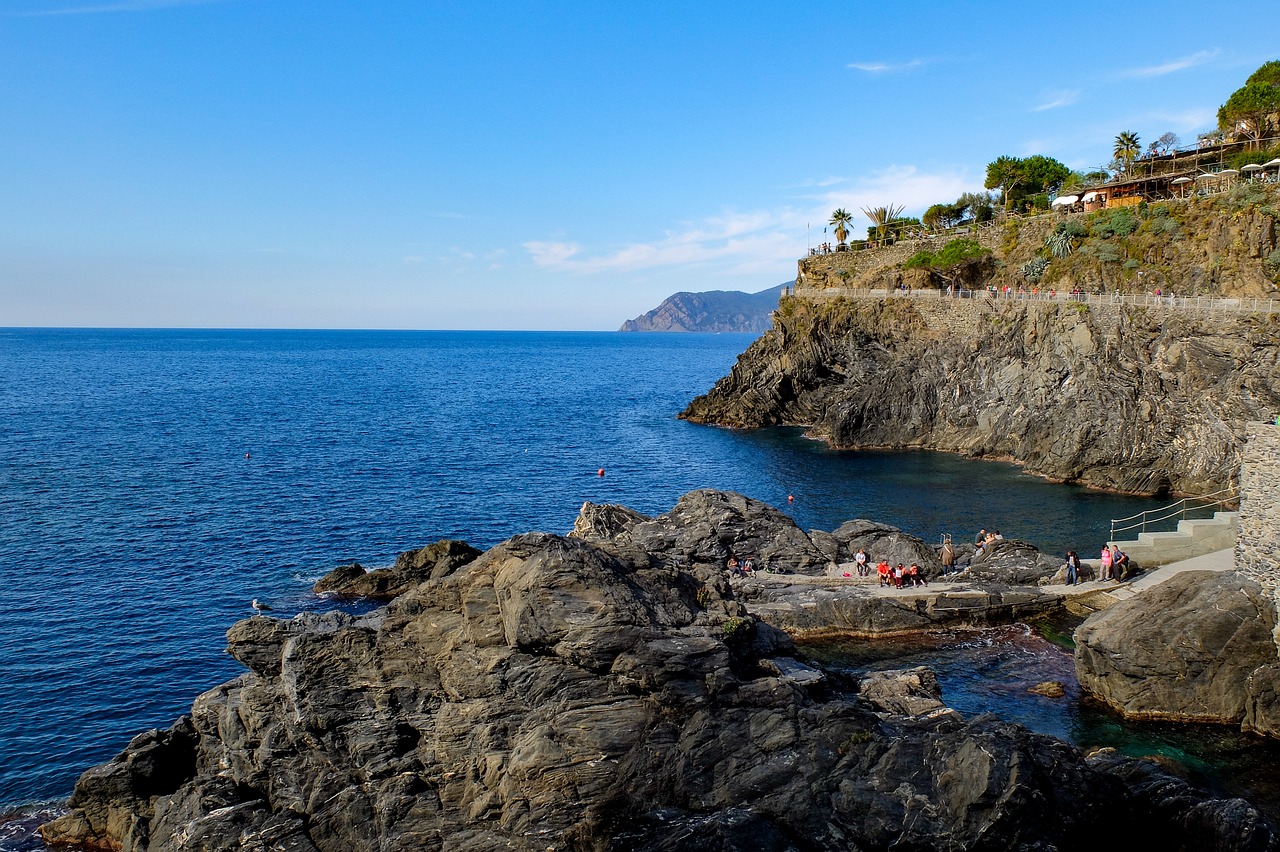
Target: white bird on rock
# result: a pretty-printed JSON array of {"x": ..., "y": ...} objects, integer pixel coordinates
[{"x": 259, "y": 605}]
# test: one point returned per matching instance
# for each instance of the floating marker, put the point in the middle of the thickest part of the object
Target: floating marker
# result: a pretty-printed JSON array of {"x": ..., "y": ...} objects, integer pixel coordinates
[
  {"x": 600, "y": 472},
  {"x": 791, "y": 499}
]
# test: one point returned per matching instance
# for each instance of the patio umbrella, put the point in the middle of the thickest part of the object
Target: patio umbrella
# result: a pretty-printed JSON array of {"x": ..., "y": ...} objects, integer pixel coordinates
[
  {"x": 1180, "y": 180},
  {"x": 1064, "y": 199},
  {"x": 1252, "y": 167}
]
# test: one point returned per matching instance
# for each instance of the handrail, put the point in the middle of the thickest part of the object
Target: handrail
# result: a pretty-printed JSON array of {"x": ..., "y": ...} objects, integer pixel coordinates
[{"x": 1178, "y": 509}]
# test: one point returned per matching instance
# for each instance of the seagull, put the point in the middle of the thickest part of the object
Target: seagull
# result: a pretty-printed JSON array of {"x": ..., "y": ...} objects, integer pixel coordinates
[{"x": 259, "y": 605}]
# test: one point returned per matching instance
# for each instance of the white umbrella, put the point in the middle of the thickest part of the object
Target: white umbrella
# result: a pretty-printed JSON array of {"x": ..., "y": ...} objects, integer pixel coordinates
[
  {"x": 1275, "y": 162},
  {"x": 1208, "y": 177},
  {"x": 1252, "y": 167},
  {"x": 1181, "y": 180},
  {"x": 1089, "y": 196},
  {"x": 1064, "y": 199},
  {"x": 1228, "y": 172}
]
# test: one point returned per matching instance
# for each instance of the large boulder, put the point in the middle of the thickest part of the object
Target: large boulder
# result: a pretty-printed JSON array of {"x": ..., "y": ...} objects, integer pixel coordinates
[{"x": 1183, "y": 650}]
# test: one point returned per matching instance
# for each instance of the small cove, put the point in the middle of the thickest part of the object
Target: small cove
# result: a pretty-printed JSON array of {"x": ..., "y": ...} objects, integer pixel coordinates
[{"x": 991, "y": 670}]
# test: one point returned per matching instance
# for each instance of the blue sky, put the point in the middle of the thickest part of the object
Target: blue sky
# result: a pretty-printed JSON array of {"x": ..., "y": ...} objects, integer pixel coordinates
[{"x": 277, "y": 163}]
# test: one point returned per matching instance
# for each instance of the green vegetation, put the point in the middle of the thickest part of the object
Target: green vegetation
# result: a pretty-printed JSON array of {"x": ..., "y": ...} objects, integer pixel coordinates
[
  {"x": 841, "y": 218},
  {"x": 958, "y": 263},
  {"x": 1020, "y": 179},
  {"x": 1126, "y": 150},
  {"x": 1252, "y": 108},
  {"x": 881, "y": 218},
  {"x": 737, "y": 625},
  {"x": 1033, "y": 270}
]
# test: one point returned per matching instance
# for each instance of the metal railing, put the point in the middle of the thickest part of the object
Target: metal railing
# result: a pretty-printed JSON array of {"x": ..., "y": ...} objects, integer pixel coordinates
[
  {"x": 1178, "y": 510},
  {"x": 1210, "y": 304}
]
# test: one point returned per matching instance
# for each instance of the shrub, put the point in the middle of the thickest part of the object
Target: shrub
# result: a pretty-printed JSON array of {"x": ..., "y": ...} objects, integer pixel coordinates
[
  {"x": 1073, "y": 228},
  {"x": 1113, "y": 223},
  {"x": 1033, "y": 270},
  {"x": 1109, "y": 253}
]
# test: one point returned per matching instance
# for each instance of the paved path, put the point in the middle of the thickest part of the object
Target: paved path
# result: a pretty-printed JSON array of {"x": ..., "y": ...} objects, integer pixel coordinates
[{"x": 1222, "y": 560}]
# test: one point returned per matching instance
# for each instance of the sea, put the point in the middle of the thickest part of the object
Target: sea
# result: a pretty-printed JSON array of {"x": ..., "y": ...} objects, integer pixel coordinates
[{"x": 153, "y": 482}]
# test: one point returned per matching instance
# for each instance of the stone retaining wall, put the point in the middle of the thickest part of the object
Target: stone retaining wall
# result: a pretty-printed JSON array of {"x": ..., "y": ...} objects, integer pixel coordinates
[{"x": 1258, "y": 544}]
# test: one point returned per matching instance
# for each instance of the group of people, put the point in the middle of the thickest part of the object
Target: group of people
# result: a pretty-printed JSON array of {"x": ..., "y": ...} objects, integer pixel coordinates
[
  {"x": 983, "y": 540},
  {"x": 740, "y": 568},
  {"x": 889, "y": 575},
  {"x": 1113, "y": 562}
]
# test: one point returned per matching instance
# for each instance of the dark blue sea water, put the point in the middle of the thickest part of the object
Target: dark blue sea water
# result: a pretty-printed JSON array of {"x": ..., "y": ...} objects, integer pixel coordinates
[{"x": 152, "y": 482}]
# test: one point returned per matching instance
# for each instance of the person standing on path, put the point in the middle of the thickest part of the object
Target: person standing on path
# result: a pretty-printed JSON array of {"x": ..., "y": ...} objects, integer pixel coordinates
[
  {"x": 1073, "y": 568},
  {"x": 1105, "y": 573}
]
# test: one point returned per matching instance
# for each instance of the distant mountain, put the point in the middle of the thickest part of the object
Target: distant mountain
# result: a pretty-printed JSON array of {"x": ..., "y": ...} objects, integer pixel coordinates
[{"x": 715, "y": 310}]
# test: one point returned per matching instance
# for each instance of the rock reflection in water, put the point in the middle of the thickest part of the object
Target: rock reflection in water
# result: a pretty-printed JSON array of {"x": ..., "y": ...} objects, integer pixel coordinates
[{"x": 992, "y": 670}]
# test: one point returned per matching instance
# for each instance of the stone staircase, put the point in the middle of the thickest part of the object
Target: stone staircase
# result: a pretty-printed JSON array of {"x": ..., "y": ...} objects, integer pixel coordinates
[{"x": 1193, "y": 538}]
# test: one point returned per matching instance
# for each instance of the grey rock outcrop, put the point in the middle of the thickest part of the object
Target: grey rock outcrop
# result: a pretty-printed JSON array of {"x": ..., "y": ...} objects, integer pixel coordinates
[
  {"x": 412, "y": 567},
  {"x": 556, "y": 693},
  {"x": 1133, "y": 399},
  {"x": 1184, "y": 650}
]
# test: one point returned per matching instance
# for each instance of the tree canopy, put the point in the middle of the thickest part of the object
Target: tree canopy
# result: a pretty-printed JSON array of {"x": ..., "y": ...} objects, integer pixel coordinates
[
  {"x": 1251, "y": 108},
  {"x": 1020, "y": 178}
]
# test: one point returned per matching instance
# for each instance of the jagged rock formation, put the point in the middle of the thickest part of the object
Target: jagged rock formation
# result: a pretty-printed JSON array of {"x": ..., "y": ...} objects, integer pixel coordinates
[
  {"x": 557, "y": 693},
  {"x": 1186, "y": 650},
  {"x": 412, "y": 567},
  {"x": 1141, "y": 400},
  {"x": 719, "y": 311}
]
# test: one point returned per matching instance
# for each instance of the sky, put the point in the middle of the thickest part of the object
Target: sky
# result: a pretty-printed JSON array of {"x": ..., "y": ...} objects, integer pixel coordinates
[{"x": 532, "y": 165}]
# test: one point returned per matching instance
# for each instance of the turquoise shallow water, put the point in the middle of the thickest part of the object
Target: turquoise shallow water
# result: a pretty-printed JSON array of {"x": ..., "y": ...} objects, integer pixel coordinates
[{"x": 153, "y": 482}]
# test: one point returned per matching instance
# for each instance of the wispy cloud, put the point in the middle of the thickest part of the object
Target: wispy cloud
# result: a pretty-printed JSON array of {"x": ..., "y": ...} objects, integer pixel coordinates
[
  {"x": 1200, "y": 57},
  {"x": 123, "y": 6},
  {"x": 883, "y": 67},
  {"x": 1054, "y": 100},
  {"x": 756, "y": 242}
]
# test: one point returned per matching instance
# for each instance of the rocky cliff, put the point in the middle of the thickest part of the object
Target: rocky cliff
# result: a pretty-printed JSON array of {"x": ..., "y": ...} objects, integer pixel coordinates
[
  {"x": 717, "y": 311},
  {"x": 606, "y": 691},
  {"x": 1135, "y": 399}
]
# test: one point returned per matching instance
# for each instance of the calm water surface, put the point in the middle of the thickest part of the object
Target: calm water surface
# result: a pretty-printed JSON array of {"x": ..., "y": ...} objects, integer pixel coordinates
[{"x": 152, "y": 482}]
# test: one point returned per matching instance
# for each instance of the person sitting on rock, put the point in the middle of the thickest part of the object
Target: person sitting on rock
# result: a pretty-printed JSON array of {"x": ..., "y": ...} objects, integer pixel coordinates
[
  {"x": 860, "y": 559},
  {"x": 898, "y": 575},
  {"x": 917, "y": 579},
  {"x": 748, "y": 565},
  {"x": 884, "y": 572},
  {"x": 733, "y": 567}
]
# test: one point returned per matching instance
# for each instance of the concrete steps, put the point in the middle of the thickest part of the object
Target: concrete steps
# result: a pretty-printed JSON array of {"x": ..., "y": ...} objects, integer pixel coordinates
[{"x": 1193, "y": 538}]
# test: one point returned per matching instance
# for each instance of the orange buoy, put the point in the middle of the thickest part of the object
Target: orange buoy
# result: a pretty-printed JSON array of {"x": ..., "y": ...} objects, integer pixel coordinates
[
  {"x": 791, "y": 499},
  {"x": 600, "y": 472}
]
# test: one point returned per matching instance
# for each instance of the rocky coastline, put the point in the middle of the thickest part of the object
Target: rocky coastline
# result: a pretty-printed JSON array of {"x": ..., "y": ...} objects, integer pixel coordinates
[
  {"x": 614, "y": 689},
  {"x": 1144, "y": 400}
]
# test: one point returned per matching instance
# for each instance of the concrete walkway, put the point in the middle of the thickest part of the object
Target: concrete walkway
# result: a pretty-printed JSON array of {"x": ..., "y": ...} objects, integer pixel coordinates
[{"x": 1222, "y": 560}]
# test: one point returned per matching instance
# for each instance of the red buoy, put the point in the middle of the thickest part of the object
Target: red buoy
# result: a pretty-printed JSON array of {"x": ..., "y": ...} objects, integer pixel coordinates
[{"x": 600, "y": 472}]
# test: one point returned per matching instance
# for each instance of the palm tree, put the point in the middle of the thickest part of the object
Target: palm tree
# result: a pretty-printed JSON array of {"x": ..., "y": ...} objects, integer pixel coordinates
[
  {"x": 1127, "y": 149},
  {"x": 882, "y": 216},
  {"x": 841, "y": 219}
]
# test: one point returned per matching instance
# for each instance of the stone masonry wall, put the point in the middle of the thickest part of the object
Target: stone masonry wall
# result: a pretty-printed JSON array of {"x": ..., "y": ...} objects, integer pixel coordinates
[{"x": 1258, "y": 543}]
